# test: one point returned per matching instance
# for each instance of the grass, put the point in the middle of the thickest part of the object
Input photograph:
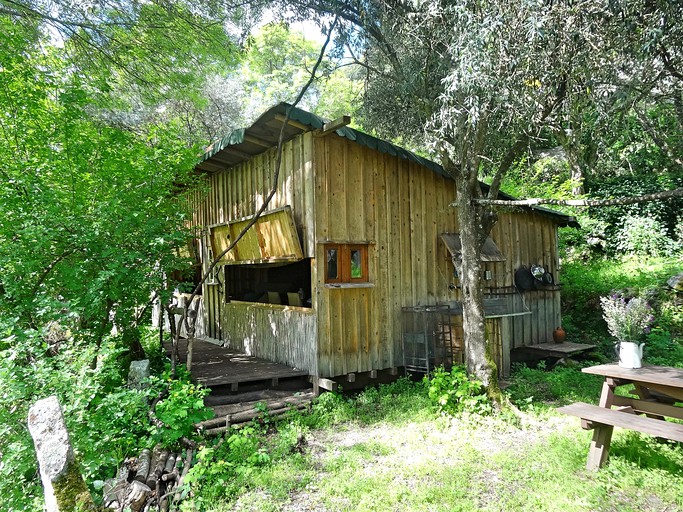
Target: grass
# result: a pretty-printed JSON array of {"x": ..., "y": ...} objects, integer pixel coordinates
[
  {"x": 583, "y": 283},
  {"x": 388, "y": 449}
]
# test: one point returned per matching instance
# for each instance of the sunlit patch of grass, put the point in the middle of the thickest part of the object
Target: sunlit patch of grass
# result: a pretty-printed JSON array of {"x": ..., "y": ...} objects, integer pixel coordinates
[{"x": 436, "y": 463}]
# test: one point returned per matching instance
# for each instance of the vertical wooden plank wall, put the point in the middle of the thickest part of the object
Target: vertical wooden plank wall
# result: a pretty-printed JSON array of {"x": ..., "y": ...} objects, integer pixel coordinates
[
  {"x": 341, "y": 191},
  {"x": 527, "y": 238},
  {"x": 399, "y": 208},
  {"x": 280, "y": 334}
]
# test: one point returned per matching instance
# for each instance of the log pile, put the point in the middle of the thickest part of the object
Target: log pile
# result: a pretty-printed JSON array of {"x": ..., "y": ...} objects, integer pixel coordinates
[
  {"x": 151, "y": 481},
  {"x": 229, "y": 415}
]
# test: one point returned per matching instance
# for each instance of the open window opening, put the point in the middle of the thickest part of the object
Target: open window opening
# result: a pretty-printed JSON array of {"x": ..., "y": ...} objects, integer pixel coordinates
[{"x": 288, "y": 284}]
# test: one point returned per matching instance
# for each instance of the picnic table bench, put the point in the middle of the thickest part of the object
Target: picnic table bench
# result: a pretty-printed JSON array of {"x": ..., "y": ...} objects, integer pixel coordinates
[{"x": 657, "y": 389}]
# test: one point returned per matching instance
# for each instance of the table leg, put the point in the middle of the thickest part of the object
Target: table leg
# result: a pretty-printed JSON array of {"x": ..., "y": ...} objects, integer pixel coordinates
[
  {"x": 599, "y": 450},
  {"x": 607, "y": 394},
  {"x": 602, "y": 434}
]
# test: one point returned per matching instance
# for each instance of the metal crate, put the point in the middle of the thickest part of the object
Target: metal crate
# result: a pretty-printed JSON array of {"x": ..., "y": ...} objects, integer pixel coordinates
[{"x": 427, "y": 336}]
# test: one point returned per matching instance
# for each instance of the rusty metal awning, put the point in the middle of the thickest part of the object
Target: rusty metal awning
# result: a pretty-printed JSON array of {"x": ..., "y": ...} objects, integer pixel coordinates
[
  {"x": 273, "y": 239},
  {"x": 489, "y": 252}
]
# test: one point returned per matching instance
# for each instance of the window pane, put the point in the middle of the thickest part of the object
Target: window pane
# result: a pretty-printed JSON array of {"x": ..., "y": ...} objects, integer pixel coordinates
[
  {"x": 332, "y": 267},
  {"x": 356, "y": 267}
]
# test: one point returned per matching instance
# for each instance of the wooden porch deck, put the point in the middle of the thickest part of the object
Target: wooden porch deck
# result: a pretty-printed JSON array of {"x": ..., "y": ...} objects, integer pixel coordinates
[{"x": 213, "y": 365}]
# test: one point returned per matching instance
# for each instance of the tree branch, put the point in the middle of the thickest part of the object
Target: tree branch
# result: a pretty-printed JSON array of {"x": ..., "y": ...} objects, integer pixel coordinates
[{"x": 658, "y": 196}]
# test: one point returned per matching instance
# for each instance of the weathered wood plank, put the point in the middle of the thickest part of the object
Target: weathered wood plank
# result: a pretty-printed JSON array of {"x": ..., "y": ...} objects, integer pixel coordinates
[
  {"x": 214, "y": 365},
  {"x": 604, "y": 416},
  {"x": 280, "y": 333}
]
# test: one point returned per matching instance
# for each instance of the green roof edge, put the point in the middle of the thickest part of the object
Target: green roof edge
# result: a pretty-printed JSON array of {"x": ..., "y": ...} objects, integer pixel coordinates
[{"x": 316, "y": 122}]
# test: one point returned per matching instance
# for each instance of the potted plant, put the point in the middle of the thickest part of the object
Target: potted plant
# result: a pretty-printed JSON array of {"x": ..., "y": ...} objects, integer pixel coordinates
[{"x": 628, "y": 320}]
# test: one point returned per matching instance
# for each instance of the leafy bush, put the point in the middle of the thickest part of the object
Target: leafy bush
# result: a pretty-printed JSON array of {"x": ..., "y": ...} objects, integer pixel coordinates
[
  {"x": 585, "y": 242},
  {"x": 664, "y": 214},
  {"x": 106, "y": 420},
  {"x": 548, "y": 176},
  {"x": 182, "y": 407},
  {"x": 644, "y": 236},
  {"x": 455, "y": 392},
  {"x": 584, "y": 283},
  {"x": 661, "y": 348},
  {"x": 224, "y": 469}
]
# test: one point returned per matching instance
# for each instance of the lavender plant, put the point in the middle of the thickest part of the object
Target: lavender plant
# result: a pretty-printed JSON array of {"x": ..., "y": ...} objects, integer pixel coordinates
[{"x": 627, "y": 319}]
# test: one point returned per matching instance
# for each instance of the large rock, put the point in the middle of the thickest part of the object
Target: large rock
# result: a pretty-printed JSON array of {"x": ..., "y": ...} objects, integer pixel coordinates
[
  {"x": 63, "y": 484},
  {"x": 676, "y": 282},
  {"x": 139, "y": 371}
]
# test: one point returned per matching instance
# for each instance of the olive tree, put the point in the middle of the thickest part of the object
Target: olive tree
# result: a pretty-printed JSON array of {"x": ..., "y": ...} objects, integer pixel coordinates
[{"x": 482, "y": 80}]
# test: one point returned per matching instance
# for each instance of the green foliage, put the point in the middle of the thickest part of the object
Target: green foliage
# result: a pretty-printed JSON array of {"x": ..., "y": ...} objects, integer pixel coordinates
[
  {"x": 455, "y": 392},
  {"x": 644, "y": 236},
  {"x": 584, "y": 284},
  {"x": 257, "y": 454},
  {"x": 88, "y": 224},
  {"x": 277, "y": 63},
  {"x": 547, "y": 177},
  {"x": 181, "y": 408},
  {"x": 533, "y": 388},
  {"x": 647, "y": 228},
  {"x": 225, "y": 469},
  {"x": 106, "y": 420},
  {"x": 664, "y": 348}
]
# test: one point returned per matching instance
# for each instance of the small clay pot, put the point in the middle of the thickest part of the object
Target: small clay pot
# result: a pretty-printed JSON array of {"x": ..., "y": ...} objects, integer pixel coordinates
[{"x": 559, "y": 335}]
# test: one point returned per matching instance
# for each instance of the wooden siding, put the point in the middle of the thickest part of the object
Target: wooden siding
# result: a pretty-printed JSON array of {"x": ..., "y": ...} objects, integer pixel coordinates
[
  {"x": 282, "y": 334},
  {"x": 237, "y": 193},
  {"x": 526, "y": 238},
  {"x": 231, "y": 196},
  {"x": 342, "y": 192},
  {"x": 399, "y": 208}
]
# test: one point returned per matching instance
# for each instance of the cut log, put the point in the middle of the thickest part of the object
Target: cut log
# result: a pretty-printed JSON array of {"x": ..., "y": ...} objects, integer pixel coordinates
[
  {"x": 237, "y": 419},
  {"x": 170, "y": 463},
  {"x": 251, "y": 396},
  {"x": 187, "y": 463},
  {"x": 224, "y": 411},
  {"x": 143, "y": 466},
  {"x": 138, "y": 493},
  {"x": 157, "y": 468}
]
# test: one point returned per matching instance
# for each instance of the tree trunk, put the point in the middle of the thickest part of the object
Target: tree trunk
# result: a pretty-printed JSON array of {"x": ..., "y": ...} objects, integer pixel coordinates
[{"x": 471, "y": 237}]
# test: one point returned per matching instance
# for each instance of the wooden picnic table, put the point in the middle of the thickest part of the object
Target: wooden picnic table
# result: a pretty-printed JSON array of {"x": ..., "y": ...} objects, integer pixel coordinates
[{"x": 657, "y": 389}]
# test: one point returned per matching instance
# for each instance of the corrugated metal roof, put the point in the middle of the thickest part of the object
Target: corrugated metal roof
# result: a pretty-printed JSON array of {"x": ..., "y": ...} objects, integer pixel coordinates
[{"x": 240, "y": 145}]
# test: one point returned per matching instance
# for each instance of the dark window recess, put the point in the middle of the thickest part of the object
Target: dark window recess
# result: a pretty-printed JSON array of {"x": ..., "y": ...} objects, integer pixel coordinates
[
  {"x": 332, "y": 264},
  {"x": 275, "y": 284}
]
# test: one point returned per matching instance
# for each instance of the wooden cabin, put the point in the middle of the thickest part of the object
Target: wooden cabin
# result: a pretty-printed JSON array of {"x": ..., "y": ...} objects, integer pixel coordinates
[{"x": 352, "y": 261}]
